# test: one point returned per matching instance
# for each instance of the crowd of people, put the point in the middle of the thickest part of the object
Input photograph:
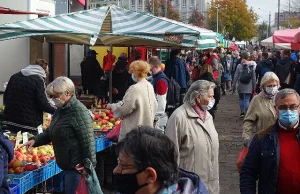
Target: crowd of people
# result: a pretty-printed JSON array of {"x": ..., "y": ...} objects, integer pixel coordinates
[{"x": 169, "y": 149}]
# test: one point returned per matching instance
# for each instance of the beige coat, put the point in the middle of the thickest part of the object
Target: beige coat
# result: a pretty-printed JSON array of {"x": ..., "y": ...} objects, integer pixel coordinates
[
  {"x": 197, "y": 143},
  {"x": 138, "y": 107},
  {"x": 260, "y": 115}
]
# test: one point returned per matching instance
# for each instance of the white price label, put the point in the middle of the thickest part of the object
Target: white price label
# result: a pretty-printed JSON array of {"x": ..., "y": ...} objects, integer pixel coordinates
[
  {"x": 49, "y": 116},
  {"x": 40, "y": 129},
  {"x": 25, "y": 137}
]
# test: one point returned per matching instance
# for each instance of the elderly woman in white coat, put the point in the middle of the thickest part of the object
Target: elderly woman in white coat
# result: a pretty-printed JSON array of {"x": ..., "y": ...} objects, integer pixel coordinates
[
  {"x": 261, "y": 113},
  {"x": 192, "y": 130}
]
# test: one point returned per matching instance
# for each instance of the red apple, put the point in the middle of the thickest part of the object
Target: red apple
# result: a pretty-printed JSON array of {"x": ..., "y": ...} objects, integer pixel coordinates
[
  {"x": 10, "y": 165},
  {"x": 29, "y": 167},
  {"x": 96, "y": 116},
  {"x": 103, "y": 106},
  {"x": 106, "y": 118},
  {"x": 107, "y": 112},
  {"x": 19, "y": 170},
  {"x": 43, "y": 159},
  {"x": 112, "y": 120},
  {"x": 110, "y": 115}
]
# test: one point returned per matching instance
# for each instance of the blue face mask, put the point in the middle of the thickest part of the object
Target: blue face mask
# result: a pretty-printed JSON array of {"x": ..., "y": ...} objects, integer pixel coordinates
[
  {"x": 133, "y": 78},
  {"x": 288, "y": 117}
]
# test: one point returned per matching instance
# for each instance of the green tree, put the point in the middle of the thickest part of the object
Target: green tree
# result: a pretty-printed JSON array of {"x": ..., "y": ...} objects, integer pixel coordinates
[
  {"x": 235, "y": 19},
  {"x": 294, "y": 23},
  {"x": 159, "y": 9},
  {"x": 262, "y": 31},
  {"x": 196, "y": 19}
]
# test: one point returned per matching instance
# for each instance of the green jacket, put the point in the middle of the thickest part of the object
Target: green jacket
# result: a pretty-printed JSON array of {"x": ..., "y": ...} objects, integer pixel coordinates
[{"x": 71, "y": 134}]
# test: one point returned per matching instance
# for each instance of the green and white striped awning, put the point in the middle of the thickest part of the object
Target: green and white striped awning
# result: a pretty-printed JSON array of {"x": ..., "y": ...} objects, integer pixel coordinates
[
  {"x": 108, "y": 25},
  {"x": 206, "y": 38}
]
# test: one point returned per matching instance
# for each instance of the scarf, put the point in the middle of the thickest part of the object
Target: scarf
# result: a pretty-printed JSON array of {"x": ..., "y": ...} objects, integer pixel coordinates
[{"x": 34, "y": 70}]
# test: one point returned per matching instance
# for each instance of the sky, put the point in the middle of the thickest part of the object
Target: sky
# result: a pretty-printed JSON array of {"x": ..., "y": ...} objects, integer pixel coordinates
[{"x": 265, "y": 7}]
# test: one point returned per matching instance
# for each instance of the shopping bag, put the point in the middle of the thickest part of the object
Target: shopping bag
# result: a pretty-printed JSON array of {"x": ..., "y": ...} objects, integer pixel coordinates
[
  {"x": 241, "y": 158},
  {"x": 114, "y": 134},
  {"x": 82, "y": 187},
  {"x": 91, "y": 180}
]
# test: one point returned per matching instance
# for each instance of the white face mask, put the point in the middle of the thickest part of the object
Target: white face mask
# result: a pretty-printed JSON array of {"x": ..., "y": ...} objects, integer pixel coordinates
[
  {"x": 271, "y": 90},
  {"x": 58, "y": 102},
  {"x": 210, "y": 105},
  {"x": 133, "y": 77}
]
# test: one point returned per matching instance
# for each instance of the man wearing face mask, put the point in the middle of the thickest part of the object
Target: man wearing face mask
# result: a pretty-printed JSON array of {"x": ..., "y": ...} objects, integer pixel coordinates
[
  {"x": 192, "y": 130},
  {"x": 147, "y": 165},
  {"x": 25, "y": 98},
  {"x": 274, "y": 153}
]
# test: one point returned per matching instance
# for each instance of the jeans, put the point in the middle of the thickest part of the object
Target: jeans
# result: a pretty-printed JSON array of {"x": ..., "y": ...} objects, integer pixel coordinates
[
  {"x": 244, "y": 102},
  {"x": 72, "y": 179},
  {"x": 4, "y": 171}
]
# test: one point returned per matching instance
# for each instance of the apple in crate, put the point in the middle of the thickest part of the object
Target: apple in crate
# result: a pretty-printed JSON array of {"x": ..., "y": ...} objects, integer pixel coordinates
[{"x": 19, "y": 170}]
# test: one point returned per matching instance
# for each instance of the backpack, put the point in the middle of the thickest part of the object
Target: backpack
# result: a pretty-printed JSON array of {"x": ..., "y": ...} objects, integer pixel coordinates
[
  {"x": 246, "y": 74},
  {"x": 173, "y": 93}
]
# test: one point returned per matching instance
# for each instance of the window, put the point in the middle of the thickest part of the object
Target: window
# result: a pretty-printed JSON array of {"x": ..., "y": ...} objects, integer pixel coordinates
[
  {"x": 192, "y": 3},
  {"x": 140, "y": 3},
  {"x": 177, "y": 2},
  {"x": 183, "y": 3},
  {"x": 132, "y": 3}
]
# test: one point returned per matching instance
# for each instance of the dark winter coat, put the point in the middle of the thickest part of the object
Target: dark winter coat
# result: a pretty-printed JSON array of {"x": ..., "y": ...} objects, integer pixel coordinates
[
  {"x": 283, "y": 68},
  {"x": 176, "y": 68},
  {"x": 71, "y": 134},
  {"x": 25, "y": 100},
  {"x": 263, "y": 64},
  {"x": 91, "y": 72},
  {"x": 261, "y": 163}
]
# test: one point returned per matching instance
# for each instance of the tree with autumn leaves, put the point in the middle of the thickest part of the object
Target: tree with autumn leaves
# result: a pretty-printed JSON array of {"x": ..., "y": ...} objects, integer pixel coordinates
[
  {"x": 236, "y": 19},
  {"x": 159, "y": 9},
  {"x": 196, "y": 19}
]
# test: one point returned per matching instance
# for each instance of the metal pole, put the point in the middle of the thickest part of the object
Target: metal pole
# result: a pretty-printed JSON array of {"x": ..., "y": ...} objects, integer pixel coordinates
[
  {"x": 166, "y": 7},
  {"x": 289, "y": 23},
  {"x": 269, "y": 31},
  {"x": 110, "y": 80},
  {"x": 217, "y": 19},
  {"x": 278, "y": 14},
  {"x": 153, "y": 7}
]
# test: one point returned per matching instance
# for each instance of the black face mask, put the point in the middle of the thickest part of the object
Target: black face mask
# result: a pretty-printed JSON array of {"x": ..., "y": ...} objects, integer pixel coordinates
[{"x": 127, "y": 183}]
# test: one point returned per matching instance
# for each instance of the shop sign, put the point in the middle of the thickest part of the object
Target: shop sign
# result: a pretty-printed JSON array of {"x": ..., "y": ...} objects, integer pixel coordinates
[{"x": 173, "y": 38}]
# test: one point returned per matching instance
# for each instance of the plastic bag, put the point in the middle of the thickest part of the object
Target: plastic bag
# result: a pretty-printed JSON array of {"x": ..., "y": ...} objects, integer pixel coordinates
[
  {"x": 114, "y": 134},
  {"x": 82, "y": 187},
  {"x": 241, "y": 158}
]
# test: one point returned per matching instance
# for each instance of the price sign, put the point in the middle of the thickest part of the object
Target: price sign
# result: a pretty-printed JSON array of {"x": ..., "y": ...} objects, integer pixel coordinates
[
  {"x": 25, "y": 137},
  {"x": 40, "y": 129}
]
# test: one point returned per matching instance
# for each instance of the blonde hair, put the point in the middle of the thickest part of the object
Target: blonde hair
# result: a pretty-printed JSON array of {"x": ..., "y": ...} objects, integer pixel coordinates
[
  {"x": 267, "y": 77},
  {"x": 139, "y": 69}
]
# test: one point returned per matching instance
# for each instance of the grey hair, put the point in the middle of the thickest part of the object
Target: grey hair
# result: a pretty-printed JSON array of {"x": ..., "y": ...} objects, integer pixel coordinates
[
  {"x": 63, "y": 84},
  {"x": 198, "y": 87},
  {"x": 49, "y": 89},
  {"x": 267, "y": 77},
  {"x": 285, "y": 93}
]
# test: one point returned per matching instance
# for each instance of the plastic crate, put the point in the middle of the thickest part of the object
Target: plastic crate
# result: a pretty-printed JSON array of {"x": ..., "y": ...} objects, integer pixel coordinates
[
  {"x": 38, "y": 175},
  {"x": 108, "y": 143},
  {"x": 57, "y": 169},
  {"x": 25, "y": 180},
  {"x": 49, "y": 170},
  {"x": 14, "y": 188}
]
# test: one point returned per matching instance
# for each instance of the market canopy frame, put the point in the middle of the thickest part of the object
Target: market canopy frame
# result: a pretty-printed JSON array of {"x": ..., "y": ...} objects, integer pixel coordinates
[{"x": 108, "y": 25}]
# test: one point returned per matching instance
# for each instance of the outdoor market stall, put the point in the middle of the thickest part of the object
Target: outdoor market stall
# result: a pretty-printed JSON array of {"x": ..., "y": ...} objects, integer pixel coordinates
[{"x": 109, "y": 25}]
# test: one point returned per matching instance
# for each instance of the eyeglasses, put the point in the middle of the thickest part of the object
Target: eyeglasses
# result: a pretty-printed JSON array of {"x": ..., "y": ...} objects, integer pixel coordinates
[
  {"x": 125, "y": 166},
  {"x": 292, "y": 107}
]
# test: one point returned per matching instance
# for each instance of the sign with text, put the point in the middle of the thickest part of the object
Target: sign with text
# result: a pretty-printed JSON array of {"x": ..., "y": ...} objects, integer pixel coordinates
[{"x": 173, "y": 38}]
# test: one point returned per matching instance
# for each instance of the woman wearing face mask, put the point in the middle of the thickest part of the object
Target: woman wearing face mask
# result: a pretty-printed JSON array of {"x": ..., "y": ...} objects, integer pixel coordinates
[
  {"x": 70, "y": 132},
  {"x": 261, "y": 113},
  {"x": 139, "y": 104},
  {"x": 192, "y": 130}
]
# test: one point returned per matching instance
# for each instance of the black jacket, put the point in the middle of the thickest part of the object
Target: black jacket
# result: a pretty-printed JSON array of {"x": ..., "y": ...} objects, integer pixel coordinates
[
  {"x": 25, "y": 101},
  {"x": 71, "y": 134},
  {"x": 91, "y": 72},
  {"x": 283, "y": 68},
  {"x": 263, "y": 67}
]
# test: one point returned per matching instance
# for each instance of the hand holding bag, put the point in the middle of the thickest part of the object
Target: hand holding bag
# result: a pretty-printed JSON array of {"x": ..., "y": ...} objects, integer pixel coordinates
[{"x": 82, "y": 187}]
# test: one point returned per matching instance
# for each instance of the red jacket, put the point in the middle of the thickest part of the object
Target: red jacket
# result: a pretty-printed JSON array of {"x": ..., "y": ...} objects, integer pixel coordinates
[{"x": 209, "y": 62}]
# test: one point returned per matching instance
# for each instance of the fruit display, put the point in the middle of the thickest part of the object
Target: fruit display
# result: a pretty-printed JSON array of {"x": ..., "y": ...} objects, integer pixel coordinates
[
  {"x": 30, "y": 160},
  {"x": 104, "y": 120}
]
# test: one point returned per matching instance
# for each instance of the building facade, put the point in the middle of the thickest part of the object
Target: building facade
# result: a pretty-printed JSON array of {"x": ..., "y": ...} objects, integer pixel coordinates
[
  {"x": 185, "y": 7},
  {"x": 284, "y": 17}
]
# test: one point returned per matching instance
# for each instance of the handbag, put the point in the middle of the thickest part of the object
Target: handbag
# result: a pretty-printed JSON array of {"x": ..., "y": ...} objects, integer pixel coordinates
[
  {"x": 82, "y": 187},
  {"x": 241, "y": 158},
  {"x": 91, "y": 180},
  {"x": 115, "y": 133}
]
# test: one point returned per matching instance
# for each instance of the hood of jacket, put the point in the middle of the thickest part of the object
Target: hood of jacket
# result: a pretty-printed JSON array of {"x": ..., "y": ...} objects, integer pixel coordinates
[
  {"x": 285, "y": 60},
  {"x": 191, "y": 183},
  {"x": 34, "y": 70},
  {"x": 267, "y": 63}
]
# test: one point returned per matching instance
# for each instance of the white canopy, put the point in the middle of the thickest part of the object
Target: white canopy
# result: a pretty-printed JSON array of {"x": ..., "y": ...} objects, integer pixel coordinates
[{"x": 269, "y": 42}]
